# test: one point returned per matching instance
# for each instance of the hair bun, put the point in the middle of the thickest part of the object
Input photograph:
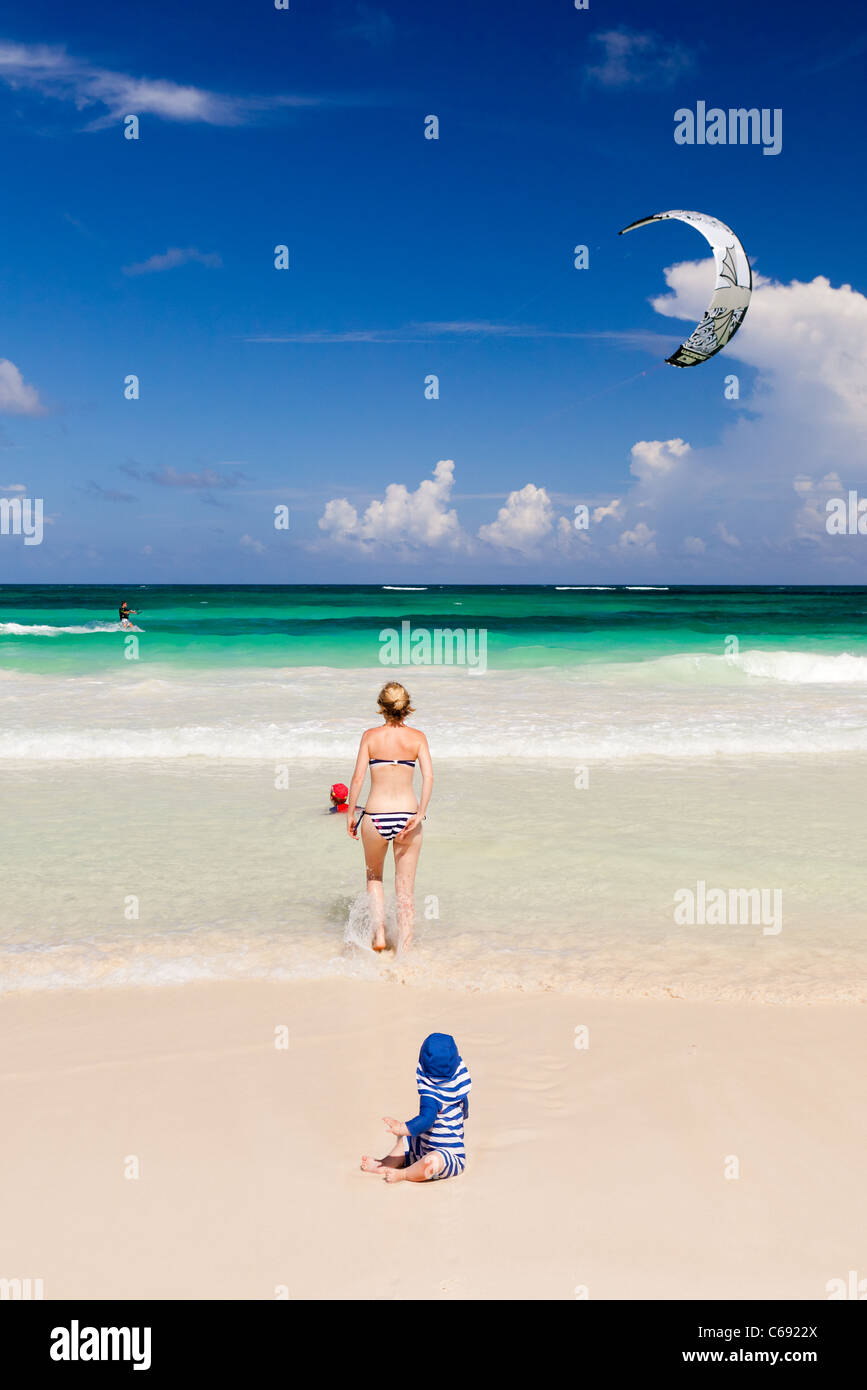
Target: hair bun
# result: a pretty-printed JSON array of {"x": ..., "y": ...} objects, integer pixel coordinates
[{"x": 393, "y": 701}]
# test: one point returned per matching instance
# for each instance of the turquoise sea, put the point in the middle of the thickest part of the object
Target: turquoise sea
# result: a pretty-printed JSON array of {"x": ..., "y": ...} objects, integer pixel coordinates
[
  {"x": 72, "y": 629},
  {"x": 165, "y": 791}
]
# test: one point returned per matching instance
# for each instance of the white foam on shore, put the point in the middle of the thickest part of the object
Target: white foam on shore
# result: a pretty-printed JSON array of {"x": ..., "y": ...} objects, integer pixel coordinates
[
  {"x": 48, "y": 630},
  {"x": 273, "y": 743},
  {"x": 429, "y": 964},
  {"x": 680, "y": 707}
]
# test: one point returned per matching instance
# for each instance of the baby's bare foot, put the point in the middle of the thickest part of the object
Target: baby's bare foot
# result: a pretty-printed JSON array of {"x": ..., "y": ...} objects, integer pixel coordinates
[
  {"x": 370, "y": 1165},
  {"x": 394, "y": 1175}
]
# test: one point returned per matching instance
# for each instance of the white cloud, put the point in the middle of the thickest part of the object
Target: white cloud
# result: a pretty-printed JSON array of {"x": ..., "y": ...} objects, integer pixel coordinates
[
  {"x": 801, "y": 415},
  {"x": 16, "y": 397},
  {"x": 630, "y": 59},
  {"x": 654, "y": 457},
  {"x": 754, "y": 499},
  {"x": 340, "y": 519},
  {"x": 811, "y": 520},
  {"x": 53, "y": 72},
  {"x": 401, "y": 519},
  {"x": 250, "y": 544},
  {"x": 174, "y": 256},
  {"x": 614, "y": 509},
  {"x": 809, "y": 337},
  {"x": 404, "y": 521},
  {"x": 524, "y": 523},
  {"x": 568, "y": 537},
  {"x": 427, "y": 332},
  {"x": 641, "y": 538}
]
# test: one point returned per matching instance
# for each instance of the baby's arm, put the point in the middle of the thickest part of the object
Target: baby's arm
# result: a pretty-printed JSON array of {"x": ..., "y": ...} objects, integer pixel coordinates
[{"x": 427, "y": 1113}]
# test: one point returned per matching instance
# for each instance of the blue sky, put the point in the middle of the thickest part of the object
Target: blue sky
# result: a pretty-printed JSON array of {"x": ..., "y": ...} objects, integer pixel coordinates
[{"x": 411, "y": 257}]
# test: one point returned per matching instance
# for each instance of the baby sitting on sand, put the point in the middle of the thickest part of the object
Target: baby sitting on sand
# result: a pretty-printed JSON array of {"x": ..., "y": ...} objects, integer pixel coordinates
[{"x": 431, "y": 1145}]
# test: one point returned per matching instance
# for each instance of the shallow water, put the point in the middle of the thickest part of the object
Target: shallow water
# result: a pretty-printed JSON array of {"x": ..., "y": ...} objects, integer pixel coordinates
[
  {"x": 615, "y": 751},
  {"x": 161, "y": 872}
]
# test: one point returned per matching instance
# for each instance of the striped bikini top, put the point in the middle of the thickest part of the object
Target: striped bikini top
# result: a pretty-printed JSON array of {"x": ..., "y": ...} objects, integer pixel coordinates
[{"x": 395, "y": 762}]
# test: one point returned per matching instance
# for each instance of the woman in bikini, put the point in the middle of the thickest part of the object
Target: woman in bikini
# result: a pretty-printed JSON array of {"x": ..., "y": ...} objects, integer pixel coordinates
[{"x": 392, "y": 814}]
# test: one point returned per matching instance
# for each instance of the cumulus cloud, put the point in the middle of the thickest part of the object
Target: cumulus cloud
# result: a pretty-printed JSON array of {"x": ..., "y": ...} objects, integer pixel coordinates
[
  {"x": 629, "y": 59},
  {"x": 653, "y": 458},
  {"x": 53, "y": 72},
  {"x": 811, "y": 519},
  {"x": 614, "y": 509},
  {"x": 526, "y": 520},
  {"x": 16, "y": 397},
  {"x": 801, "y": 415},
  {"x": 526, "y": 527},
  {"x": 340, "y": 520},
  {"x": 424, "y": 520},
  {"x": 641, "y": 538},
  {"x": 750, "y": 503},
  {"x": 401, "y": 520},
  {"x": 174, "y": 256},
  {"x": 809, "y": 337}
]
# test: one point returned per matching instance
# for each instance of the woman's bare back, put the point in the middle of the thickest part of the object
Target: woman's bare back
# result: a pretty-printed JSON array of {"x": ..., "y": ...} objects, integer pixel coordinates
[{"x": 394, "y": 742}]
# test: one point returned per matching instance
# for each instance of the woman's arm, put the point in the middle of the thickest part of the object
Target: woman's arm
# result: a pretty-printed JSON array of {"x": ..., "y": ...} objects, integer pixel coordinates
[
  {"x": 356, "y": 784},
  {"x": 426, "y": 768}
]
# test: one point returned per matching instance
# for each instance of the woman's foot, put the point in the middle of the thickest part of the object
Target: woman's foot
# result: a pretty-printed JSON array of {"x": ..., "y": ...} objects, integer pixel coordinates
[
  {"x": 404, "y": 943},
  {"x": 370, "y": 1165},
  {"x": 379, "y": 941}
]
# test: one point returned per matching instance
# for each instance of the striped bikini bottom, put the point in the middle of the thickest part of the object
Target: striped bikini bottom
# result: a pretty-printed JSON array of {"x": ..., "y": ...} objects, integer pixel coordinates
[
  {"x": 387, "y": 823},
  {"x": 454, "y": 1163}
]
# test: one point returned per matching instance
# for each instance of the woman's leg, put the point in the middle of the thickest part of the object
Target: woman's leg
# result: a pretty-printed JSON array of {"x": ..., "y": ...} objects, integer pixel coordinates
[
  {"x": 374, "y": 858},
  {"x": 406, "y": 853}
]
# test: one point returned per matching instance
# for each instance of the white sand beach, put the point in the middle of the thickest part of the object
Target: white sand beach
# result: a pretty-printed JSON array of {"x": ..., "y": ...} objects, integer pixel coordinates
[
  {"x": 600, "y": 1169},
  {"x": 178, "y": 892}
]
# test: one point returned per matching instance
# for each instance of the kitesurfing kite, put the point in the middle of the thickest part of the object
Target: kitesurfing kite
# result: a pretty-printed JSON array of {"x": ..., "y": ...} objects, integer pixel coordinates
[{"x": 734, "y": 285}]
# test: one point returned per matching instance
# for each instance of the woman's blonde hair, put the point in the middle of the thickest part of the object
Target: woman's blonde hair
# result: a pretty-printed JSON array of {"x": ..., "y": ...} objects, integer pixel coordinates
[{"x": 393, "y": 701}]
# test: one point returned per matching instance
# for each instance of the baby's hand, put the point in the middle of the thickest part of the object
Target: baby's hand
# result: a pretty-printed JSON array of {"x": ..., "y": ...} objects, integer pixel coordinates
[{"x": 397, "y": 1127}]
